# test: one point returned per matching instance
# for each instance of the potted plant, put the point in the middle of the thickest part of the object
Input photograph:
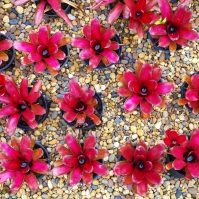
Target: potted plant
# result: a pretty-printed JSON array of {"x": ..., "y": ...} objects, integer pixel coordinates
[
  {"x": 141, "y": 166},
  {"x": 7, "y": 52},
  {"x": 57, "y": 7},
  {"x": 144, "y": 88},
  {"x": 22, "y": 160},
  {"x": 44, "y": 50},
  {"x": 100, "y": 46},
  {"x": 173, "y": 138},
  {"x": 24, "y": 107},
  {"x": 117, "y": 8},
  {"x": 190, "y": 93},
  {"x": 80, "y": 160},
  {"x": 142, "y": 15},
  {"x": 183, "y": 157},
  {"x": 81, "y": 106},
  {"x": 174, "y": 30},
  {"x": 3, "y": 79}
]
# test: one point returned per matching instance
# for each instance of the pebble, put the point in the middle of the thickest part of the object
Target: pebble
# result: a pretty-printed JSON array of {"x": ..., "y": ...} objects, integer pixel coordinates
[
  {"x": 19, "y": 9},
  {"x": 50, "y": 185}
]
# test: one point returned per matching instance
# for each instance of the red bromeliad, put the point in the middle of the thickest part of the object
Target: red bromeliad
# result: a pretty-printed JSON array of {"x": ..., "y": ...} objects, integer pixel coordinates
[
  {"x": 3, "y": 79},
  {"x": 21, "y": 104},
  {"x": 187, "y": 156},
  {"x": 81, "y": 161},
  {"x": 141, "y": 14},
  {"x": 175, "y": 28},
  {"x": 143, "y": 88},
  {"x": 173, "y": 138},
  {"x": 43, "y": 49},
  {"x": 5, "y": 45},
  {"x": 53, "y": 4},
  {"x": 78, "y": 104},
  {"x": 119, "y": 8},
  {"x": 20, "y": 162},
  {"x": 97, "y": 45},
  {"x": 192, "y": 93},
  {"x": 141, "y": 166}
]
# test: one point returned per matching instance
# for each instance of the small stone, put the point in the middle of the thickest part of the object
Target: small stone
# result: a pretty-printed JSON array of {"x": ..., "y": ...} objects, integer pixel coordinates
[
  {"x": 19, "y": 9},
  {"x": 140, "y": 132},
  {"x": 192, "y": 191},
  {"x": 50, "y": 185},
  {"x": 95, "y": 182},
  {"x": 6, "y": 19},
  {"x": 158, "y": 125},
  {"x": 111, "y": 158},
  {"x": 116, "y": 144}
]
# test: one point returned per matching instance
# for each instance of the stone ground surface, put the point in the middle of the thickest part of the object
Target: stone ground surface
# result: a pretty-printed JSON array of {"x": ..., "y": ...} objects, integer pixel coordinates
[{"x": 117, "y": 126}]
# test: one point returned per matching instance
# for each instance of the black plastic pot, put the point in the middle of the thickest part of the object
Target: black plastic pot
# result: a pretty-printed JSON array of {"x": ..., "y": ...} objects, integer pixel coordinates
[
  {"x": 173, "y": 172},
  {"x": 51, "y": 13},
  {"x": 11, "y": 54},
  {"x": 119, "y": 52},
  {"x": 183, "y": 90},
  {"x": 44, "y": 102},
  {"x": 156, "y": 46},
  {"x": 45, "y": 155},
  {"x": 89, "y": 124}
]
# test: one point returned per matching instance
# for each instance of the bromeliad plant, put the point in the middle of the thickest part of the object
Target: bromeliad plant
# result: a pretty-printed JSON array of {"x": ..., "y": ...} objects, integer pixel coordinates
[
  {"x": 44, "y": 50},
  {"x": 140, "y": 166},
  {"x": 185, "y": 156},
  {"x": 175, "y": 29},
  {"x": 190, "y": 93},
  {"x": 173, "y": 138},
  {"x": 97, "y": 45},
  {"x": 5, "y": 45},
  {"x": 79, "y": 104},
  {"x": 142, "y": 14},
  {"x": 119, "y": 8},
  {"x": 55, "y": 5},
  {"x": 3, "y": 79},
  {"x": 20, "y": 162},
  {"x": 80, "y": 160},
  {"x": 143, "y": 88},
  {"x": 21, "y": 104}
]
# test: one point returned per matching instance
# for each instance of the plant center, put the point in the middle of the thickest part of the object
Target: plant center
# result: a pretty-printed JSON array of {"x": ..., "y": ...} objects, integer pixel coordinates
[
  {"x": 45, "y": 53},
  {"x": 171, "y": 29},
  {"x": 22, "y": 107},
  {"x": 80, "y": 106},
  {"x": 140, "y": 165},
  {"x": 174, "y": 142},
  {"x": 144, "y": 91},
  {"x": 23, "y": 164},
  {"x": 138, "y": 14},
  {"x": 81, "y": 159},
  {"x": 189, "y": 157},
  {"x": 98, "y": 48}
]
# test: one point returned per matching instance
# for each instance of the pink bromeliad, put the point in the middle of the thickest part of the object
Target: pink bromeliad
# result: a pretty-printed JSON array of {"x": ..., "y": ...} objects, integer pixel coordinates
[
  {"x": 144, "y": 88},
  {"x": 140, "y": 166},
  {"x": 119, "y": 8},
  {"x": 54, "y": 4},
  {"x": 81, "y": 161},
  {"x": 96, "y": 45},
  {"x": 21, "y": 103},
  {"x": 21, "y": 162},
  {"x": 5, "y": 44},
  {"x": 43, "y": 50},
  {"x": 175, "y": 28},
  {"x": 192, "y": 93}
]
